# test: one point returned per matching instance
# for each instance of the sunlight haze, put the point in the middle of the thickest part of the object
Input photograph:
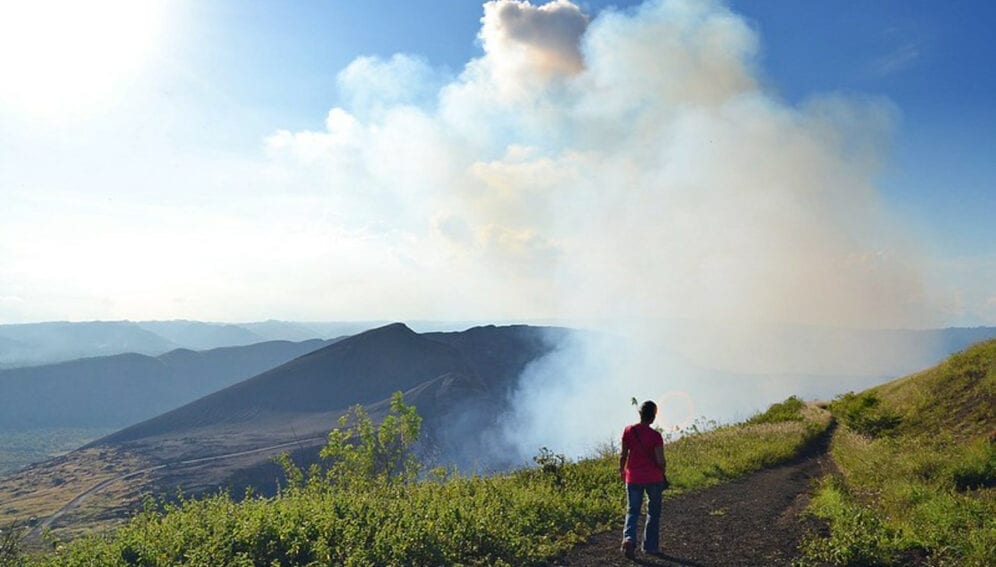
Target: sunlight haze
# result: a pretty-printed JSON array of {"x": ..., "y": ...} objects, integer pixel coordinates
[{"x": 62, "y": 58}]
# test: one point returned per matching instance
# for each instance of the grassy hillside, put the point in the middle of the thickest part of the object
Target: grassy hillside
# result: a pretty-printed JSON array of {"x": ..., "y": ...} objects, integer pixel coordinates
[
  {"x": 956, "y": 397},
  {"x": 917, "y": 469},
  {"x": 521, "y": 518}
]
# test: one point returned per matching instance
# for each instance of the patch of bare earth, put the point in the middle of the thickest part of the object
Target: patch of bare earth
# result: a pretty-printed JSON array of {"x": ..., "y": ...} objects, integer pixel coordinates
[
  {"x": 31, "y": 496},
  {"x": 755, "y": 520}
]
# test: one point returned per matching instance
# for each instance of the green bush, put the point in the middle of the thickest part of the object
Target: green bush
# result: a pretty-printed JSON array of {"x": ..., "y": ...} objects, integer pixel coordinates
[
  {"x": 977, "y": 468},
  {"x": 551, "y": 464},
  {"x": 789, "y": 410},
  {"x": 10, "y": 546},
  {"x": 864, "y": 413}
]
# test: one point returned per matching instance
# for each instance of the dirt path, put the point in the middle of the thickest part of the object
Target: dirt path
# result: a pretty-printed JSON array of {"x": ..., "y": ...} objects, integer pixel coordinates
[{"x": 751, "y": 521}]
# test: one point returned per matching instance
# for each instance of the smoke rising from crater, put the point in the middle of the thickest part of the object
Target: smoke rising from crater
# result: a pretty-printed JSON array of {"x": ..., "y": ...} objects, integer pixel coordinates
[{"x": 631, "y": 169}]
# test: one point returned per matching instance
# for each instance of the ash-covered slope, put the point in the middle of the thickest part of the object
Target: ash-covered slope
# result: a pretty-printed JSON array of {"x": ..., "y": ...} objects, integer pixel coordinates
[
  {"x": 459, "y": 378},
  {"x": 498, "y": 355},
  {"x": 363, "y": 369}
]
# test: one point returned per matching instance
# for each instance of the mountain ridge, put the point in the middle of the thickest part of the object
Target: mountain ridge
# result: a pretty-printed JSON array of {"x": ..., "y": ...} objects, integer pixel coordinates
[
  {"x": 324, "y": 380},
  {"x": 76, "y": 393}
]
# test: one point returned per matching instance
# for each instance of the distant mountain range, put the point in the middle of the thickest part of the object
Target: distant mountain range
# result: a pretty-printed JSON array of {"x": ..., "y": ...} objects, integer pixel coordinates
[
  {"x": 119, "y": 390},
  {"x": 44, "y": 343},
  {"x": 39, "y": 343}
]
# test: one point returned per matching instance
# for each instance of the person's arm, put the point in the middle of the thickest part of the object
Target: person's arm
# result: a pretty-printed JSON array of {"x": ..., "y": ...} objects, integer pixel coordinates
[
  {"x": 661, "y": 461},
  {"x": 623, "y": 456}
]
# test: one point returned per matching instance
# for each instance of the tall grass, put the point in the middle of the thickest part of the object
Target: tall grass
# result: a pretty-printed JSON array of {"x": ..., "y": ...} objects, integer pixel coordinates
[
  {"x": 899, "y": 500},
  {"x": 522, "y": 518},
  {"x": 917, "y": 470}
]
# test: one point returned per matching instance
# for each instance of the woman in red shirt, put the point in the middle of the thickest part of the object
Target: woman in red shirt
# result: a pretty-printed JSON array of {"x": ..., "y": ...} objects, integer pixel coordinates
[{"x": 643, "y": 468}]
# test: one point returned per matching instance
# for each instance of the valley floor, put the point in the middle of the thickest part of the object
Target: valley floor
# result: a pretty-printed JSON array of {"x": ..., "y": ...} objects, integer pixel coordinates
[{"x": 755, "y": 520}]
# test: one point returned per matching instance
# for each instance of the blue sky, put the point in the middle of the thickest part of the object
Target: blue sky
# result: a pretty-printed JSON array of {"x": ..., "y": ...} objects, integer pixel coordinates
[
  {"x": 929, "y": 59},
  {"x": 181, "y": 135}
]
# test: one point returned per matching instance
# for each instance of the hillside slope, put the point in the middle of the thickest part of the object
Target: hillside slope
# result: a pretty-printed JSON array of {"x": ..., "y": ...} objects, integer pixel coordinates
[
  {"x": 917, "y": 469},
  {"x": 362, "y": 369},
  {"x": 956, "y": 396}
]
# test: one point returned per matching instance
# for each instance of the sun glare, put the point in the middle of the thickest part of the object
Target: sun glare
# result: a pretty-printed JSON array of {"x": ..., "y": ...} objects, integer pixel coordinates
[{"x": 65, "y": 57}]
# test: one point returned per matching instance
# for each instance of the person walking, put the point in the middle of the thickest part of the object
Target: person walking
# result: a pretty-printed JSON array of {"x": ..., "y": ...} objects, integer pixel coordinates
[{"x": 644, "y": 470}]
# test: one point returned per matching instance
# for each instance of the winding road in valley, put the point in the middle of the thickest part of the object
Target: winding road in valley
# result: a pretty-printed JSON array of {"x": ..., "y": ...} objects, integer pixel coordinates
[{"x": 83, "y": 496}]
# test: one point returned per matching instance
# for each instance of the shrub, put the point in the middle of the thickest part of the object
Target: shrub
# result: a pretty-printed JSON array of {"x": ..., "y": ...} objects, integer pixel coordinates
[
  {"x": 864, "y": 414},
  {"x": 978, "y": 467},
  {"x": 10, "y": 546},
  {"x": 552, "y": 465},
  {"x": 789, "y": 410},
  {"x": 359, "y": 452}
]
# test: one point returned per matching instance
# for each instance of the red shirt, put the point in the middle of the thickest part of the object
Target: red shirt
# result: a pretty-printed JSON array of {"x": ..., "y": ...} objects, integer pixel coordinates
[{"x": 641, "y": 465}]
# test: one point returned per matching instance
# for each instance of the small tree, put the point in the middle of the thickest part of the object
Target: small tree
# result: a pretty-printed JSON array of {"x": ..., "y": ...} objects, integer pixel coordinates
[
  {"x": 551, "y": 465},
  {"x": 359, "y": 451}
]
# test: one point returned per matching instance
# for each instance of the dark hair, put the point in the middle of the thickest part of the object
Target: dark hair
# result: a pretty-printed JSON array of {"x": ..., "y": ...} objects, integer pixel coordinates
[{"x": 648, "y": 411}]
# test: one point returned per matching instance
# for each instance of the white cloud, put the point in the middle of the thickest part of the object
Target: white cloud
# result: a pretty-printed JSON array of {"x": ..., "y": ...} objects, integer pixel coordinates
[
  {"x": 899, "y": 59},
  {"x": 370, "y": 84},
  {"x": 629, "y": 165}
]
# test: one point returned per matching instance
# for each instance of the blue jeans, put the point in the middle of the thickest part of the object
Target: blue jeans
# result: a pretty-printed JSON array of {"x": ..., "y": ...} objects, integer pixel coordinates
[{"x": 634, "y": 501}]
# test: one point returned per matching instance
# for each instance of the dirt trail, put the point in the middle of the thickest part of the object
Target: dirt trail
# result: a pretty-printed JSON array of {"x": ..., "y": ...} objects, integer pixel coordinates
[{"x": 751, "y": 521}]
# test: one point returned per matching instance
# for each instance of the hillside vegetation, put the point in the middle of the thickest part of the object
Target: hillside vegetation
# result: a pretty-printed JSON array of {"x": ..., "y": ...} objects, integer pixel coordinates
[
  {"x": 369, "y": 506},
  {"x": 917, "y": 469}
]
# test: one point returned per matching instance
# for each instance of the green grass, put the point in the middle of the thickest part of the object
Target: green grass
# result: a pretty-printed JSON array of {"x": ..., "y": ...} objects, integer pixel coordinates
[
  {"x": 922, "y": 488},
  {"x": 521, "y": 518},
  {"x": 729, "y": 452},
  {"x": 958, "y": 396}
]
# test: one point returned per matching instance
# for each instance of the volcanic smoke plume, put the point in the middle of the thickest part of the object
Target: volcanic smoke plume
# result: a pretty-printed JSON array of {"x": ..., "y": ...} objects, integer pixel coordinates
[{"x": 630, "y": 169}]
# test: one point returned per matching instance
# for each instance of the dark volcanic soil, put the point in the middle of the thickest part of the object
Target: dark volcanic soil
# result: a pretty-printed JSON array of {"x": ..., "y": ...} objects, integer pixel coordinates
[{"x": 751, "y": 521}]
